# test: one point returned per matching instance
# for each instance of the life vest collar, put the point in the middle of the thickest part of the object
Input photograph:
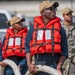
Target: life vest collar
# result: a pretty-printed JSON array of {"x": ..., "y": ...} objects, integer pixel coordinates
[
  {"x": 38, "y": 20},
  {"x": 10, "y": 31}
]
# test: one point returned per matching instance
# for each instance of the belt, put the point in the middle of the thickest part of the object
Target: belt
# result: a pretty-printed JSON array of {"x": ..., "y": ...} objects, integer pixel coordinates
[
  {"x": 48, "y": 63},
  {"x": 15, "y": 58}
]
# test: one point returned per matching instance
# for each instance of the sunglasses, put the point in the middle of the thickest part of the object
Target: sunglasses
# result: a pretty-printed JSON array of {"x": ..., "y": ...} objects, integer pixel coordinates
[
  {"x": 51, "y": 8},
  {"x": 69, "y": 14}
]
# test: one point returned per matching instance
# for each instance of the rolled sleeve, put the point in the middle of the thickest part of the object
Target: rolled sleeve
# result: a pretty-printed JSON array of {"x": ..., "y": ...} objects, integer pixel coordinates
[
  {"x": 64, "y": 44},
  {"x": 28, "y": 39}
]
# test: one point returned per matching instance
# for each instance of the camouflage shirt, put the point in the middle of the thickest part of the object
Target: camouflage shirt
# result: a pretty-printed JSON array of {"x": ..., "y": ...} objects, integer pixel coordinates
[{"x": 70, "y": 33}]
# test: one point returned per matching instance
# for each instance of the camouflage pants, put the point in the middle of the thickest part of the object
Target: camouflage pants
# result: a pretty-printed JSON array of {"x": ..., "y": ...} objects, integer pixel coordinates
[{"x": 67, "y": 65}]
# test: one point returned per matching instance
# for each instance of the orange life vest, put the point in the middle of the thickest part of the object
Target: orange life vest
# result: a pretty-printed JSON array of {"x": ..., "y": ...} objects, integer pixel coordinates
[
  {"x": 46, "y": 39},
  {"x": 14, "y": 45}
]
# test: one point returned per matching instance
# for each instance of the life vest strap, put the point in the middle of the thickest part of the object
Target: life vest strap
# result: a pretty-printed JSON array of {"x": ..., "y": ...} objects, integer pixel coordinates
[
  {"x": 46, "y": 29},
  {"x": 52, "y": 38},
  {"x": 43, "y": 44},
  {"x": 7, "y": 42}
]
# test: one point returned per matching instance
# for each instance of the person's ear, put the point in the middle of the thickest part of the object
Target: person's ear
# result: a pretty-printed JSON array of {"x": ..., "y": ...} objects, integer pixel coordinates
[
  {"x": 13, "y": 26},
  {"x": 42, "y": 13},
  {"x": 63, "y": 15}
]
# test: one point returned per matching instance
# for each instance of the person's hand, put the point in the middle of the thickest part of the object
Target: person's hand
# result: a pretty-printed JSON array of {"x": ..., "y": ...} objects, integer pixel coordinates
[
  {"x": 58, "y": 68},
  {"x": 59, "y": 71},
  {"x": 19, "y": 67},
  {"x": 3, "y": 64},
  {"x": 32, "y": 68}
]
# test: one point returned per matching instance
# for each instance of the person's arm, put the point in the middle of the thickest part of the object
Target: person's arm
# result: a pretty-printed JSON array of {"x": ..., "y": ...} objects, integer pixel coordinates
[
  {"x": 1, "y": 55},
  {"x": 31, "y": 67},
  {"x": 27, "y": 44},
  {"x": 64, "y": 47},
  {"x": 1, "y": 58}
]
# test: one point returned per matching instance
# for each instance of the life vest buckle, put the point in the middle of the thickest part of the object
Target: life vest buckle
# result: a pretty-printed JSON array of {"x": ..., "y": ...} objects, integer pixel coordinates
[{"x": 14, "y": 48}]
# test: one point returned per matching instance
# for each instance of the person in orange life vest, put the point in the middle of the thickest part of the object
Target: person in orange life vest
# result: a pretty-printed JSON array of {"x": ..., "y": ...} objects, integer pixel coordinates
[
  {"x": 13, "y": 45},
  {"x": 46, "y": 39}
]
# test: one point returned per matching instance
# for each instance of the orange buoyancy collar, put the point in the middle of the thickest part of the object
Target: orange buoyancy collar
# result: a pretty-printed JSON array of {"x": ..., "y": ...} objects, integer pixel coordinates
[
  {"x": 46, "y": 38},
  {"x": 14, "y": 44}
]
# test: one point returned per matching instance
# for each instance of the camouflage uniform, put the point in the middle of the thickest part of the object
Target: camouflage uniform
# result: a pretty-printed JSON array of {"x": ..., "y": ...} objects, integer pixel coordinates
[{"x": 70, "y": 33}]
